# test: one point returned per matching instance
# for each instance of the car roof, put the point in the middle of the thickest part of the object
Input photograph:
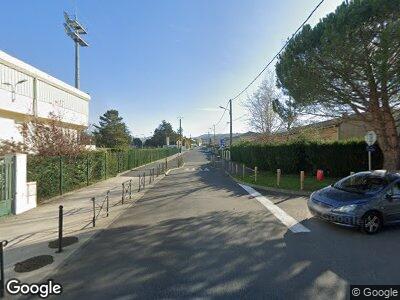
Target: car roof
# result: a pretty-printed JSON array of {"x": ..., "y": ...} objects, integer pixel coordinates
[{"x": 389, "y": 175}]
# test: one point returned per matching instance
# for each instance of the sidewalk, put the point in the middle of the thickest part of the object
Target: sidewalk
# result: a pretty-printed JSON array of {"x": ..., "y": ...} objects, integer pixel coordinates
[{"x": 28, "y": 234}]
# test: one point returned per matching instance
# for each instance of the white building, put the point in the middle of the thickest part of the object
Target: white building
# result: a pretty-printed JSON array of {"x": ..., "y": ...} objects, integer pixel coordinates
[{"x": 27, "y": 92}]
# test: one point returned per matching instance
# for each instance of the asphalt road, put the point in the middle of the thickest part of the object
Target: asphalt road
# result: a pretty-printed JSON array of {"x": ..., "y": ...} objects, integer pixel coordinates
[{"x": 198, "y": 234}]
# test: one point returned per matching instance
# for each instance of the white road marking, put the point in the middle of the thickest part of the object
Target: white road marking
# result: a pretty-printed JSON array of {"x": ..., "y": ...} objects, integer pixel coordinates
[{"x": 279, "y": 213}]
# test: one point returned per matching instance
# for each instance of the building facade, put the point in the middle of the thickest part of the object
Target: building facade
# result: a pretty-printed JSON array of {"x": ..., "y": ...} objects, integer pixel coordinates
[{"x": 26, "y": 93}]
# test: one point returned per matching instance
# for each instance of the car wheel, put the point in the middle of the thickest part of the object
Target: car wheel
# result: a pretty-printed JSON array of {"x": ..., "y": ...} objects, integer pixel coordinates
[{"x": 371, "y": 222}]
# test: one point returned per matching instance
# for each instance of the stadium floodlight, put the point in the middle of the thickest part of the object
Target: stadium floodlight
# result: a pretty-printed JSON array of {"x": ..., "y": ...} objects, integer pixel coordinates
[{"x": 74, "y": 30}]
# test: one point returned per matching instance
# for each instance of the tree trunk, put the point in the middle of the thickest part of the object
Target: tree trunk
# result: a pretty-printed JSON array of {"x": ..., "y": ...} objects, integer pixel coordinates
[{"x": 389, "y": 142}]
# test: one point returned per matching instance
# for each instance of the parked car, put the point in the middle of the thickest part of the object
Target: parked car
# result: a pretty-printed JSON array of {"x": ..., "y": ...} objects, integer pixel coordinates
[{"x": 368, "y": 200}]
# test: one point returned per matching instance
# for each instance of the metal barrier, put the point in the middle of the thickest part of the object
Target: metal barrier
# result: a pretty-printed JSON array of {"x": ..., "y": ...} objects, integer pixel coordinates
[
  {"x": 2, "y": 282},
  {"x": 126, "y": 190},
  {"x": 100, "y": 207},
  {"x": 60, "y": 227}
]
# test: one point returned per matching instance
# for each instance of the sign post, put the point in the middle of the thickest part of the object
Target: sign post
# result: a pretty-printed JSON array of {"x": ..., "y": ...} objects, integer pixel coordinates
[{"x": 370, "y": 139}]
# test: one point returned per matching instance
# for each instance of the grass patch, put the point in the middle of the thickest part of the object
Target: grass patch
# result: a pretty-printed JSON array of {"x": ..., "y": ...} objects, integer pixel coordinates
[{"x": 288, "y": 181}]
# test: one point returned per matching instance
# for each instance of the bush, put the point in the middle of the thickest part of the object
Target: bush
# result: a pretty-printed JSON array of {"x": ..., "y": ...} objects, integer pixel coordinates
[
  {"x": 57, "y": 174},
  {"x": 337, "y": 159}
]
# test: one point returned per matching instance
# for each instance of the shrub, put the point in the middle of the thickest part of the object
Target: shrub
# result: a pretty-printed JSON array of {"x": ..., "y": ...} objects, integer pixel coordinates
[
  {"x": 59, "y": 174},
  {"x": 337, "y": 159}
]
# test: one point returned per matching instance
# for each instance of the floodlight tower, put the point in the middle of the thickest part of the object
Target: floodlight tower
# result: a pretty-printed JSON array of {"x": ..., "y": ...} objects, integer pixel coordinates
[{"x": 74, "y": 30}]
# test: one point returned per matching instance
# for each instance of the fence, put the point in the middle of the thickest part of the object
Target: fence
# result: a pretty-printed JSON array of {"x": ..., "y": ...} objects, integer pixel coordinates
[
  {"x": 58, "y": 175},
  {"x": 274, "y": 178},
  {"x": 100, "y": 204}
]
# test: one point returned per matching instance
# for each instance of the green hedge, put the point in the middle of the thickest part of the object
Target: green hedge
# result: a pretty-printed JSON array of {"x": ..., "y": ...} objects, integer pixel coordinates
[
  {"x": 337, "y": 159},
  {"x": 58, "y": 175}
]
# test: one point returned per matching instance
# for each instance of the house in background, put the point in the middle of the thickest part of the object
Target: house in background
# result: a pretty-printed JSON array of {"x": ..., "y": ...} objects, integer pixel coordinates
[
  {"x": 348, "y": 127},
  {"x": 26, "y": 92}
]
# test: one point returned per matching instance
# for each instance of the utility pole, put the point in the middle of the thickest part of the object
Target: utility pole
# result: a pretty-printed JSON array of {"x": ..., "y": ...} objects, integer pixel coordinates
[
  {"x": 74, "y": 30},
  {"x": 214, "y": 134},
  {"x": 180, "y": 134},
  {"x": 230, "y": 123}
]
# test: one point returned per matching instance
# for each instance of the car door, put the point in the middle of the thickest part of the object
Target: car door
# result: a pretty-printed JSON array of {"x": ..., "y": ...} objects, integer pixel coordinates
[{"x": 391, "y": 203}]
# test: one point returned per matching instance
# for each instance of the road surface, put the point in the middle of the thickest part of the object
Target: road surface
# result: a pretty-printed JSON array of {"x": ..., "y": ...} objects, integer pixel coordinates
[{"x": 198, "y": 234}]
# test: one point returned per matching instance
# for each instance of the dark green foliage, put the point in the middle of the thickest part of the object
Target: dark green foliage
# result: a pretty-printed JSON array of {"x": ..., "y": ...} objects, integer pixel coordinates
[
  {"x": 57, "y": 175},
  {"x": 137, "y": 142},
  {"x": 112, "y": 132},
  {"x": 160, "y": 135},
  {"x": 337, "y": 159}
]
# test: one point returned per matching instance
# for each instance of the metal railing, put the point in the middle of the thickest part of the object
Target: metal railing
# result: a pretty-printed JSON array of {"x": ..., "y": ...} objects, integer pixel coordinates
[
  {"x": 126, "y": 190},
  {"x": 97, "y": 209}
]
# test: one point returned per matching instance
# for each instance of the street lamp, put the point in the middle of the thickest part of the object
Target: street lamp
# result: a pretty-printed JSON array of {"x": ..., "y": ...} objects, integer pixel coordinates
[{"x": 13, "y": 87}]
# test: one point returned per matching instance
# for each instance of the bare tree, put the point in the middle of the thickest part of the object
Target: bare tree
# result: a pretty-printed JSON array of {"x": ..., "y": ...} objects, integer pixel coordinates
[{"x": 262, "y": 116}]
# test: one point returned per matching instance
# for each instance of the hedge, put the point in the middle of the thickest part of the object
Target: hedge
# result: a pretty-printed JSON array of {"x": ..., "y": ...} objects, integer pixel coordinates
[
  {"x": 337, "y": 159},
  {"x": 57, "y": 175}
]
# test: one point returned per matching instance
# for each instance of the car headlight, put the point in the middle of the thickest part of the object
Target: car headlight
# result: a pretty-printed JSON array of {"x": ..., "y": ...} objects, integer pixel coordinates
[{"x": 346, "y": 208}]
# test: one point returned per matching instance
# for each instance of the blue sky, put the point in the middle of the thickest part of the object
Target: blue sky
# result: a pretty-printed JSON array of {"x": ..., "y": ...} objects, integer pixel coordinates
[{"x": 155, "y": 60}]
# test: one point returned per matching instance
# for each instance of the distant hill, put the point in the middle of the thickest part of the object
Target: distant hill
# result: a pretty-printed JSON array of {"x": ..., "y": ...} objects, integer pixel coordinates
[{"x": 236, "y": 136}]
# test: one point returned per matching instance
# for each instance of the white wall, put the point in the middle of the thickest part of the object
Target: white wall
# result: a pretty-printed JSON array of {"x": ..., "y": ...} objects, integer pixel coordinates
[
  {"x": 51, "y": 96},
  {"x": 9, "y": 130}
]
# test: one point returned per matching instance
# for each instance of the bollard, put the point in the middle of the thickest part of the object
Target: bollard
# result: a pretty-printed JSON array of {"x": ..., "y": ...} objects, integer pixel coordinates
[
  {"x": 60, "y": 228},
  {"x": 94, "y": 212},
  {"x": 278, "y": 177},
  {"x": 302, "y": 180},
  {"x": 130, "y": 188},
  {"x": 123, "y": 193},
  {"x": 107, "y": 201},
  {"x": 144, "y": 180},
  {"x": 166, "y": 163},
  {"x": 255, "y": 173},
  {"x": 236, "y": 168},
  {"x": 3, "y": 280},
  {"x": 153, "y": 174},
  {"x": 140, "y": 181},
  {"x": 243, "y": 168}
]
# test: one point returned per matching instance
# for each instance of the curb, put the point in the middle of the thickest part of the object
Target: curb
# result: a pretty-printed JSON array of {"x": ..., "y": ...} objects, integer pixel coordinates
[{"x": 271, "y": 189}]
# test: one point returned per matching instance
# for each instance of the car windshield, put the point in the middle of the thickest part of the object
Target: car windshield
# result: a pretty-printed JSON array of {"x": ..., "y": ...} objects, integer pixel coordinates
[{"x": 362, "y": 183}]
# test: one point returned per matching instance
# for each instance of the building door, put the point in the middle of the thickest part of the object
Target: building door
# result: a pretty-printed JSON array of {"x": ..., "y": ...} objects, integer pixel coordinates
[{"x": 6, "y": 184}]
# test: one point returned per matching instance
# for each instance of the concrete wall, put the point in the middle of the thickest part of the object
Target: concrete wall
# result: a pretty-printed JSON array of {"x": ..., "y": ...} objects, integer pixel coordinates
[{"x": 24, "y": 192}]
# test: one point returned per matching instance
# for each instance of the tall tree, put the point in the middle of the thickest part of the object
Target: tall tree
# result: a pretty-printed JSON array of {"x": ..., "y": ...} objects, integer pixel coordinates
[
  {"x": 137, "y": 142},
  {"x": 112, "y": 132},
  {"x": 262, "y": 117},
  {"x": 160, "y": 135},
  {"x": 349, "y": 63},
  {"x": 288, "y": 112}
]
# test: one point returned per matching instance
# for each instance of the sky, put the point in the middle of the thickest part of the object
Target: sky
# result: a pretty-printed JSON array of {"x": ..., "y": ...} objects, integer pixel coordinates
[{"x": 160, "y": 59}]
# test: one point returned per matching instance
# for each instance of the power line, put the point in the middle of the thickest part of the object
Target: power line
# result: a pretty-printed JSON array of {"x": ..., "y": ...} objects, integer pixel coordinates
[
  {"x": 220, "y": 119},
  {"x": 279, "y": 52},
  {"x": 268, "y": 64},
  {"x": 238, "y": 118}
]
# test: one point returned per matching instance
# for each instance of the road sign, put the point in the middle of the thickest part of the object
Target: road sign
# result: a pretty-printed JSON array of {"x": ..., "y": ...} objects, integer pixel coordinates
[
  {"x": 222, "y": 142},
  {"x": 370, "y": 138},
  {"x": 371, "y": 148}
]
